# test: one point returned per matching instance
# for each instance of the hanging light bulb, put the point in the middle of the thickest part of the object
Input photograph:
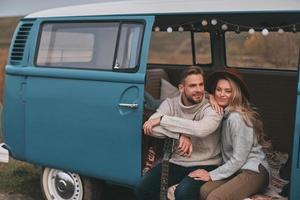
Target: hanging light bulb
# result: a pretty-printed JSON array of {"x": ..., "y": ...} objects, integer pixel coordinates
[
  {"x": 280, "y": 31},
  {"x": 251, "y": 31},
  {"x": 294, "y": 29},
  {"x": 224, "y": 27},
  {"x": 237, "y": 30},
  {"x": 265, "y": 32},
  {"x": 204, "y": 22},
  {"x": 156, "y": 29},
  {"x": 180, "y": 29},
  {"x": 169, "y": 30},
  {"x": 214, "y": 22}
]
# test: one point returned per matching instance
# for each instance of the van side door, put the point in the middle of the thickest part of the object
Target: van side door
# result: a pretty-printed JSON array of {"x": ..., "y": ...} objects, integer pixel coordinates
[{"x": 83, "y": 92}]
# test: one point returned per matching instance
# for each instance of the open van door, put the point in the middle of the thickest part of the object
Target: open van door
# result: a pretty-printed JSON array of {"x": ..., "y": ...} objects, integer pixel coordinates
[
  {"x": 81, "y": 94},
  {"x": 295, "y": 173}
]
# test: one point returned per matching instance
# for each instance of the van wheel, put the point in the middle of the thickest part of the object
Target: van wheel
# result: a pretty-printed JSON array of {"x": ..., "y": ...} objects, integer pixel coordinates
[{"x": 62, "y": 185}]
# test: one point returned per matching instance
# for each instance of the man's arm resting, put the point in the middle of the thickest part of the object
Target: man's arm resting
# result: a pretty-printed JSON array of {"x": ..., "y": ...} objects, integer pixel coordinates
[{"x": 198, "y": 128}]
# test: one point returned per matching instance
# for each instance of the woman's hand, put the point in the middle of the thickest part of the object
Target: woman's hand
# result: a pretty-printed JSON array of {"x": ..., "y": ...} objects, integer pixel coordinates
[
  {"x": 200, "y": 174},
  {"x": 185, "y": 147},
  {"x": 215, "y": 105}
]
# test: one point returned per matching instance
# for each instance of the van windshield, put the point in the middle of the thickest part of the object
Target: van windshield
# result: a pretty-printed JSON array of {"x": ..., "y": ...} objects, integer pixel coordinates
[{"x": 94, "y": 45}]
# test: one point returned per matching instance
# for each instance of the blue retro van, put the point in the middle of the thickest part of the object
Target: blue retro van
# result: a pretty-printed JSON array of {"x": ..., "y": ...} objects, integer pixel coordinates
[{"x": 76, "y": 78}]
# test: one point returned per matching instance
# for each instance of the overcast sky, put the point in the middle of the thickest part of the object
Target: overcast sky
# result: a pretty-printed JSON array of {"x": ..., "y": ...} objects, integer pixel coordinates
[{"x": 24, "y": 7}]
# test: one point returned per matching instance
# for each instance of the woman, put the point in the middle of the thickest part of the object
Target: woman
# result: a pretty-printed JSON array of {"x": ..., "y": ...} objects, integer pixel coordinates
[{"x": 245, "y": 170}]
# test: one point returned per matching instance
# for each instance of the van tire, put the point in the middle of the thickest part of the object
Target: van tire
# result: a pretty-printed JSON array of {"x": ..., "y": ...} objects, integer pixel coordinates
[
  {"x": 93, "y": 189},
  {"x": 61, "y": 185}
]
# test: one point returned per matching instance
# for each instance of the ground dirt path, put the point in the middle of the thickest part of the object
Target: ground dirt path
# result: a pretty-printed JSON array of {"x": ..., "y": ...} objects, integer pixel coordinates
[{"x": 14, "y": 197}]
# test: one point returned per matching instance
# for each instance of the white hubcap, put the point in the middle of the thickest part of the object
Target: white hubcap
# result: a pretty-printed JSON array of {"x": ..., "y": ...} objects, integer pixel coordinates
[{"x": 61, "y": 185}]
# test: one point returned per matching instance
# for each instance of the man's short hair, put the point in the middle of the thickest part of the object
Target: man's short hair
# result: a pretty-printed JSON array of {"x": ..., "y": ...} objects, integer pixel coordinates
[{"x": 189, "y": 71}]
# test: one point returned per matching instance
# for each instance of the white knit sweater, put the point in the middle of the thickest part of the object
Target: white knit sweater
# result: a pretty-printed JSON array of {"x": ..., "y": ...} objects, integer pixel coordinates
[
  {"x": 198, "y": 121},
  {"x": 240, "y": 149}
]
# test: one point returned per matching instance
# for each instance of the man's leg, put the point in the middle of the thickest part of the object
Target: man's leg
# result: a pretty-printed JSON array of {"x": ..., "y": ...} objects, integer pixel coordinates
[
  {"x": 188, "y": 188},
  {"x": 149, "y": 187}
]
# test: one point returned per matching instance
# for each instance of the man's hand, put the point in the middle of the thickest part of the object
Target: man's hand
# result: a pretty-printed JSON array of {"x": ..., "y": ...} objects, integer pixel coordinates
[
  {"x": 200, "y": 174},
  {"x": 185, "y": 147},
  {"x": 150, "y": 124}
]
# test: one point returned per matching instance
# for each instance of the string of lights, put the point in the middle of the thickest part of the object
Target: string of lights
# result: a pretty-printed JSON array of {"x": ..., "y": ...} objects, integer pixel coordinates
[{"x": 224, "y": 25}]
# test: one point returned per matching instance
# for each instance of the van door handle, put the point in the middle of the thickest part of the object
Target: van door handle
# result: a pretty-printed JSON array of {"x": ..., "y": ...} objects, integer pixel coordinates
[{"x": 129, "y": 105}]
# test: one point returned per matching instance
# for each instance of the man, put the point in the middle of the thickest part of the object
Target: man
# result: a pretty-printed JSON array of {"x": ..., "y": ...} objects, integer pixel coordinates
[{"x": 190, "y": 119}]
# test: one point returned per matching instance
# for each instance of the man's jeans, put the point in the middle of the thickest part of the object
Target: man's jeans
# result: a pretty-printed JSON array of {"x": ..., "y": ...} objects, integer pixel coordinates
[{"x": 187, "y": 189}]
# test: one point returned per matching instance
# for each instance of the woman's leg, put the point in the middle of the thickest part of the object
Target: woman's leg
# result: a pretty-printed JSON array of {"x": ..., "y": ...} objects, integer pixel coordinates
[
  {"x": 188, "y": 188},
  {"x": 242, "y": 185},
  {"x": 208, "y": 187}
]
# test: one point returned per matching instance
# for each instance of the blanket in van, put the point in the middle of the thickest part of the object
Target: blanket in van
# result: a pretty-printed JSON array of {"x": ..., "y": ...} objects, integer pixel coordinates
[{"x": 276, "y": 160}]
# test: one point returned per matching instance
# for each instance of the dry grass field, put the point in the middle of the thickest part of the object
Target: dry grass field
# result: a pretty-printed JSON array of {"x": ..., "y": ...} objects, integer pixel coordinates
[
  {"x": 7, "y": 27},
  {"x": 3, "y": 57}
]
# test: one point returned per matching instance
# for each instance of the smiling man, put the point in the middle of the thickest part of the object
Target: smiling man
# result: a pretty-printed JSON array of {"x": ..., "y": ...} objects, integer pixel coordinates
[{"x": 190, "y": 119}]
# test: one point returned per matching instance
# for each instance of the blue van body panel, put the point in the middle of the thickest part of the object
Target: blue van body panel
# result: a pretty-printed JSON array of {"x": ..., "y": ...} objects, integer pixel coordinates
[
  {"x": 13, "y": 116},
  {"x": 295, "y": 173},
  {"x": 71, "y": 119}
]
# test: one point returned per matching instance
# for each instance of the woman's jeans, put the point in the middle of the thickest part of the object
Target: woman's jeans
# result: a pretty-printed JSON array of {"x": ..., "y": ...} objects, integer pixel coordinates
[{"x": 187, "y": 189}]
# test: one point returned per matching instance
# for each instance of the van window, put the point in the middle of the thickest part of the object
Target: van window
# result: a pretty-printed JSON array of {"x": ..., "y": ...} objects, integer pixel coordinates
[
  {"x": 89, "y": 45},
  {"x": 171, "y": 48},
  {"x": 129, "y": 46},
  {"x": 176, "y": 48},
  {"x": 274, "y": 51},
  {"x": 202, "y": 48}
]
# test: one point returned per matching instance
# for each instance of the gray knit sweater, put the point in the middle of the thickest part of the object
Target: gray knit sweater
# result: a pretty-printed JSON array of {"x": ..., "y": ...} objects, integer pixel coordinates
[
  {"x": 240, "y": 149},
  {"x": 198, "y": 121}
]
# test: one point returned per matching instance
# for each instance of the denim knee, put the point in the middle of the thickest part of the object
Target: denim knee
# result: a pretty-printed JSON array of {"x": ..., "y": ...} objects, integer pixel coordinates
[{"x": 182, "y": 192}]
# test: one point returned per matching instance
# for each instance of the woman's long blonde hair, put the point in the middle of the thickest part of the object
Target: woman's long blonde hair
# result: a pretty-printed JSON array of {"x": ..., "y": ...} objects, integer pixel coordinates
[{"x": 239, "y": 103}]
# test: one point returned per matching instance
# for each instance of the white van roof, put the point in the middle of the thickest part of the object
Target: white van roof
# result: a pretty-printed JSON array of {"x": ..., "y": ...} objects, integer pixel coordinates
[{"x": 171, "y": 6}]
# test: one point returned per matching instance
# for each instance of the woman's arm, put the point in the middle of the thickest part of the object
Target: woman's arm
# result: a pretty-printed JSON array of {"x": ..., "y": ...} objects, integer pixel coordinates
[{"x": 242, "y": 138}]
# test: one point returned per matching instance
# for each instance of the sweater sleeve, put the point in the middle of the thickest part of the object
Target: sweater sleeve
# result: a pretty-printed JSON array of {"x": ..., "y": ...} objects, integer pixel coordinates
[
  {"x": 198, "y": 128},
  {"x": 163, "y": 109},
  {"x": 159, "y": 131},
  {"x": 242, "y": 139}
]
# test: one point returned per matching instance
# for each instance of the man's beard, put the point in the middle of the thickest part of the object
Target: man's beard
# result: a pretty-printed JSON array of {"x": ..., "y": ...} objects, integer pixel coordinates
[{"x": 191, "y": 100}]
